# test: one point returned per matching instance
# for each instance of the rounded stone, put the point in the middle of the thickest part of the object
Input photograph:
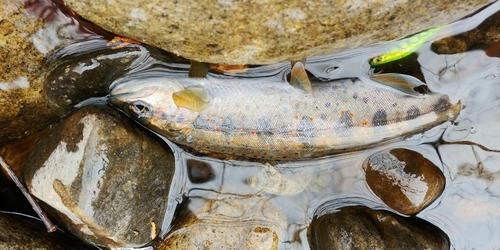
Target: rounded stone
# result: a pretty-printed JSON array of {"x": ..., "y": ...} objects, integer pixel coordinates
[
  {"x": 404, "y": 179},
  {"x": 104, "y": 179},
  {"x": 264, "y": 32},
  {"x": 21, "y": 232},
  {"x": 359, "y": 227}
]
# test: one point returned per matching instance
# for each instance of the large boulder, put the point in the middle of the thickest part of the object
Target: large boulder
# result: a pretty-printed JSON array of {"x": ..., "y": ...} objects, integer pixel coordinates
[{"x": 264, "y": 32}]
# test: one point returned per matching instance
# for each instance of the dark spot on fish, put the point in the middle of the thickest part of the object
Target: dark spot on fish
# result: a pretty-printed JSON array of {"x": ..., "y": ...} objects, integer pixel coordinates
[
  {"x": 180, "y": 118},
  {"x": 412, "y": 113},
  {"x": 344, "y": 123},
  {"x": 264, "y": 125},
  {"x": 355, "y": 96},
  {"x": 201, "y": 123},
  {"x": 380, "y": 118},
  {"x": 441, "y": 105},
  {"x": 365, "y": 99},
  {"x": 394, "y": 104},
  {"x": 305, "y": 130},
  {"x": 227, "y": 125},
  {"x": 327, "y": 104},
  {"x": 322, "y": 116}
]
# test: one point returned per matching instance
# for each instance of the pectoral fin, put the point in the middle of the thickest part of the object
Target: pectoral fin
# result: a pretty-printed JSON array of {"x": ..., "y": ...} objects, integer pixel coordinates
[
  {"x": 193, "y": 98},
  {"x": 403, "y": 83},
  {"x": 299, "y": 78}
]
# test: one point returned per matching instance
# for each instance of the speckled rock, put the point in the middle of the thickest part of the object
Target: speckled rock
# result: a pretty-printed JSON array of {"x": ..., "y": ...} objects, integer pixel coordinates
[
  {"x": 20, "y": 233},
  {"x": 362, "y": 228},
  {"x": 263, "y": 32},
  {"x": 23, "y": 110},
  {"x": 404, "y": 179},
  {"x": 227, "y": 222},
  {"x": 486, "y": 36},
  {"x": 106, "y": 180}
]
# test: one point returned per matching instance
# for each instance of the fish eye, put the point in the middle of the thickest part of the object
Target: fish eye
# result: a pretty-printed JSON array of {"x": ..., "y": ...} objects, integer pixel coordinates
[{"x": 141, "y": 109}]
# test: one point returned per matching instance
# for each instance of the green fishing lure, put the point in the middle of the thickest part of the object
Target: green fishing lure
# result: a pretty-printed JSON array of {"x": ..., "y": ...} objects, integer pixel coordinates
[{"x": 407, "y": 47}]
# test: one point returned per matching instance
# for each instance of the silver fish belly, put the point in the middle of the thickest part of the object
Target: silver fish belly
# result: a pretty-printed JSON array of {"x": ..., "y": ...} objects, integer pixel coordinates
[{"x": 272, "y": 120}]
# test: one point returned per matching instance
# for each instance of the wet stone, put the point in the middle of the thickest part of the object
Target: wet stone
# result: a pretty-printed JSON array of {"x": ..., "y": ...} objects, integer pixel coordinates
[
  {"x": 226, "y": 222},
  {"x": 486, "y": 37},
  {"x": 359, "y": 227},
  {"x": 21, "y": 232},
  {"x": 76, "y": 76},
  {"x": 15, "y": 153},
  {"x": 23, "y": 110},
  {"x": 265, "y": 32},
  {"x": 404, "y": 179},
  {"x": 104, "y": 179}
]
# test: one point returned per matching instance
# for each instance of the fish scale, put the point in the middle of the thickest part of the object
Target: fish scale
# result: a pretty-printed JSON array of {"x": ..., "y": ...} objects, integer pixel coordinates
[{"x": 272, "y": 120}]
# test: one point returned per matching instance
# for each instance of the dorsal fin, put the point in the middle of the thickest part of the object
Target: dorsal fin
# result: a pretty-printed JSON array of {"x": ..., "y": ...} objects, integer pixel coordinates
[
  {"x": 198, "y": 69},
  {"x": 193, "y": 98},
  {"x": 299, "y": 78}
]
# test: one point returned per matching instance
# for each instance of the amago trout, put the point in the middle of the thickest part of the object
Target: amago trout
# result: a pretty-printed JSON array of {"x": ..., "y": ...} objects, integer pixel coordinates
[{"x": 274, "y": 120}]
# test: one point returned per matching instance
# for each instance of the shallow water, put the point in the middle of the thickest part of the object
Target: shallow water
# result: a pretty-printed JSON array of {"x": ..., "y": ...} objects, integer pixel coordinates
[{"x": 467, "y": 151}]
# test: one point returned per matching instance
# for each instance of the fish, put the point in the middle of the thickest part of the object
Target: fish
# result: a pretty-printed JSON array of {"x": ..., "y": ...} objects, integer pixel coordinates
[
  {"x": 406, "y": 47},
  {"x": 269, "y": 119}
]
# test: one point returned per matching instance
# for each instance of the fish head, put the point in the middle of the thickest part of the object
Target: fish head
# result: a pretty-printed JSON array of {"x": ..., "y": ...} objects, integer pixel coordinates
[{"x": 150, "y": 102}]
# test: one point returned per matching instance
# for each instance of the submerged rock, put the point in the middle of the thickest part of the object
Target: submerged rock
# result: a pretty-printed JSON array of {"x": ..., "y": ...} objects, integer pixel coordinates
[
  {"x": 21, "y": 232},
  {"x": 106, "y": 180},
  {"x": 264, "y": 32},
  {"x": 405, "y": 180},
  {"x": 87, "y": 69},
  {"x": 485, "y": 36},
  {"x": 362, "y": 228},
  {"x": 226, "y": 222}
]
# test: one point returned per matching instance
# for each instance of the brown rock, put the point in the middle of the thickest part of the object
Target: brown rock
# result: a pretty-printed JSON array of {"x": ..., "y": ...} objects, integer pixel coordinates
[
  {"x": 15, "y": 153},
  {"x": 362, "y": 228},
  {"x": 20, "y": 233},
  {"x": 486, "y": 36},
  {"x": 264, "y": 32},
  {"x": 405, "y": 180},
  {"x": 105, "y": 180},
  {"x": 87, "y": 69},
  {"x": 23, "y": 110}
]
